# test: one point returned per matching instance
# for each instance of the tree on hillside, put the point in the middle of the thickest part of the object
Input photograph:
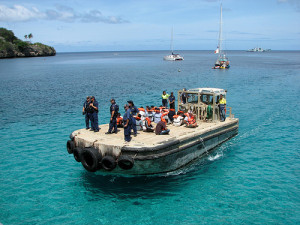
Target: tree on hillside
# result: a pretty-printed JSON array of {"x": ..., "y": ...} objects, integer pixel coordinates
[
  {"x": 30, "y": 36},
  {"x": 7, "y": 34},
  {"x": 25, "y": 36}
]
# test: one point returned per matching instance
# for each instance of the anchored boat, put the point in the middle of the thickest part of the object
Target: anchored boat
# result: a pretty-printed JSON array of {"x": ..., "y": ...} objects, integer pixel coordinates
[
  {"x": 258, "y": 49},
  {"x": 153, "y": 154},
  {"x": 222, "y": 61},
  {"x": 172, "y": 57}
]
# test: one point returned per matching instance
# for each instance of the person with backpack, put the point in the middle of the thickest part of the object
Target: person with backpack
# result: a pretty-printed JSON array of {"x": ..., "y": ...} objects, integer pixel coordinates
[{"x": 114, "y": 110}]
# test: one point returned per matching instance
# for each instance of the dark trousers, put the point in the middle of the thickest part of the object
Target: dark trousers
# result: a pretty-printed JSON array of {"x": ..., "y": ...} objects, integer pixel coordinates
[
  {"x": 87, "y": 120},
  {"x": 133, "y": 125},
  {"x": 113, "y": 125},
  {"x": 127, "y": 132},
  {"x": 94, "y": 122},
  {"x": 165, "y": 103},
  {"x": 172, "y": 105},
  {"x": 222, "y": 113}
]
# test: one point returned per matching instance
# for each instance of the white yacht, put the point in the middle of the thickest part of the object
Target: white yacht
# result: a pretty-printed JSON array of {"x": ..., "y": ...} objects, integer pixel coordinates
[{"x": 172, "y": 57}]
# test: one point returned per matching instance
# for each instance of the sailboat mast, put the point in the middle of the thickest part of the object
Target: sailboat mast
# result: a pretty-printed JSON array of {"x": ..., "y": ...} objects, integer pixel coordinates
[
  {"x": 172, "y": 41},
  {"x": 220, "y": 34}
]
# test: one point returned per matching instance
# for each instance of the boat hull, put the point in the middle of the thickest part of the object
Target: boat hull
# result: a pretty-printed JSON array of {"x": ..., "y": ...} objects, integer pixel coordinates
[
  {"x": 148, "y": 153},
  {"x": 178, "y": 155}
]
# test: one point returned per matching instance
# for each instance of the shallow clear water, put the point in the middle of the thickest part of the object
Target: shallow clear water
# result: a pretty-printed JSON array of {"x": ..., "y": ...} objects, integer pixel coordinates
[{"x": 251, "y": 179}]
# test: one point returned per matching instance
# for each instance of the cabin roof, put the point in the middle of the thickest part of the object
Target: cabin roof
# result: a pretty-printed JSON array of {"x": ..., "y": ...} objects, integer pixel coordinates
[{"x": 208, "y": 90}]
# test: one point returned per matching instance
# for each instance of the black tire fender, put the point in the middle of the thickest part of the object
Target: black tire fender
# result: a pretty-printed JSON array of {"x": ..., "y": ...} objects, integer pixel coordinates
[
  {"x": 108, "y": 163},
  {"x": 125, "y": 162},
  {"x": 70, "y": 146},
  {"x": 90, "y": 159},
  {"x": 77, "y": 152}
]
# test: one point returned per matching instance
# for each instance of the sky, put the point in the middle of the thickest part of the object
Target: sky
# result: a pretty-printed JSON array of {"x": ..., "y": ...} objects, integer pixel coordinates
[{"x": 126, "y": 25}]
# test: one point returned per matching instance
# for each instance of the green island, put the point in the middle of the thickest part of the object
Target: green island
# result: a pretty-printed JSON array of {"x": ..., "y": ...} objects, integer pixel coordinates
[{"x": 11, "y": 46}]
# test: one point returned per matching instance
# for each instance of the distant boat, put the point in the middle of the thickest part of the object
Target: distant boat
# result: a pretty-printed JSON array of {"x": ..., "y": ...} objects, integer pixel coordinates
[
  {"x": 257, "y": 49},
  {"x": 222, "y": 61},
  {"x": 172, "y": 57}
]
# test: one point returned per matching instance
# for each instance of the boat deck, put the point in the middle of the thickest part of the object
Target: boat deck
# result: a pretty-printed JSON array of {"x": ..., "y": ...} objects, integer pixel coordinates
[{"x": 146, "y": 139}]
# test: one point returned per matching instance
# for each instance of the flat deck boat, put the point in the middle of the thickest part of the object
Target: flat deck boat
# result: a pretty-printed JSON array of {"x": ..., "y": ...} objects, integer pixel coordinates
[{"x": 148, "y": 153}]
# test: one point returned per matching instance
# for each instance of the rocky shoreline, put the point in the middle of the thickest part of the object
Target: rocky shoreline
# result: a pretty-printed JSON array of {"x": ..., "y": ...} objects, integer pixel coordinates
[{"x": 12, "y": 47}]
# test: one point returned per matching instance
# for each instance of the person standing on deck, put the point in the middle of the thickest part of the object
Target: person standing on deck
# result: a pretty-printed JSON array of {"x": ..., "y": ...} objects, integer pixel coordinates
[
  {"x": 165, "y": 97},
  {"x": 94, "y": 114},
  {"x": 183, "y": 96},
  {"x": 85, "y": 111},
  {"x": 114, "y": 110},
  {"x": 172, "y": 101},
  {"x": 127, "y": 119},
  {"x": 222, "y": 108},
  {"x": 134, "y": 111}
]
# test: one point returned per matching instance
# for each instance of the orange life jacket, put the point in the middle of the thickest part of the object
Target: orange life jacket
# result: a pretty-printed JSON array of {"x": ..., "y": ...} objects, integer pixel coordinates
[
  {"x": 148, "y": 121},
  {"x": 119, "y": 120},
  {"x": 141, "y": 109},
  {"x": 162, "y": 117}
]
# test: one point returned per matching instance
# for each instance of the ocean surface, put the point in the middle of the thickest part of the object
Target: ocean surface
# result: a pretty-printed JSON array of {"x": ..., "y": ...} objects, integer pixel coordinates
[{"x": 253, "y": 178}]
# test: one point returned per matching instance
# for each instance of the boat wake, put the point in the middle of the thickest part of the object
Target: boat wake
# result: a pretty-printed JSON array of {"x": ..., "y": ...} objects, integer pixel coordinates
[{"x": 215, "y": 157}]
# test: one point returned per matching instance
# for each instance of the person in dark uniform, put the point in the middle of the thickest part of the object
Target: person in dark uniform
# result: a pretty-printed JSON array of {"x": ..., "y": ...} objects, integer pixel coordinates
[
  {"x": 184, "y": 96},
  {"x": 127, "y": 119},
  {"x": 172, "y": 101},
  {"x": 94, "y": 113},
  {"x": 134, "y": 111},
  {"x": 114, "y": 110},
  {"x": 85, "y": 111}
]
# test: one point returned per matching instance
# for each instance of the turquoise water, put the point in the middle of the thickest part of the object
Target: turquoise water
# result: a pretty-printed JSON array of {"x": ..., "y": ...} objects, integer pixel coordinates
[{"x": 251, "y": 179}]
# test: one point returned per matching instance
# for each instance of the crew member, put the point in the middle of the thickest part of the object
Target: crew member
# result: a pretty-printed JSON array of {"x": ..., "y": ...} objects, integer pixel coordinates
[
  {"x": 127, "y": 119},
  {"x": 165, "y": 97},
  {"x": 85, "y": 111},
  {"x": 172, "y": 101},
  {"x": 134, "y": 111},
  {"x": 114, "y": 110},
  {"x": 94, "y": 114},
  {"x": 222, "y": 108},
  {"x": 183, "y": 96}
]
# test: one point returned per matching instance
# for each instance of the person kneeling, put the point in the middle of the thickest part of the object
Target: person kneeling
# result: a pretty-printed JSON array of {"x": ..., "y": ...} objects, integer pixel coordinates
[{"x": 161, "y": 128}]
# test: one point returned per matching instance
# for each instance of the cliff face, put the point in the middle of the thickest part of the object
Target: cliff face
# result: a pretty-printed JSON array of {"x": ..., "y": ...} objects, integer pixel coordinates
[{"x": 11, "y": 46}]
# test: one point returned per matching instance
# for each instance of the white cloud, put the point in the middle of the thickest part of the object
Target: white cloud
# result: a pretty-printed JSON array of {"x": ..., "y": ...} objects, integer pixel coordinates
[{"x": 19, "y": 13}]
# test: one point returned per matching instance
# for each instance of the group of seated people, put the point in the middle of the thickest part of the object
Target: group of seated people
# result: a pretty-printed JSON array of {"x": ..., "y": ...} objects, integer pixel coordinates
[{"x": 161, "y": 116}]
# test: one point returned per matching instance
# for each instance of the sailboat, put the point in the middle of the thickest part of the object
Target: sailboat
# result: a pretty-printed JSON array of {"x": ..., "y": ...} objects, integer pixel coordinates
[
  {"x": 172, "y": 57},
  {"x": 222, "y": 61}
]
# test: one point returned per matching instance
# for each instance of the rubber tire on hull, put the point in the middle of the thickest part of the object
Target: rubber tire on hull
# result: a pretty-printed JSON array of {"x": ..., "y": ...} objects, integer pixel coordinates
[
  {"x": 125, "y": 162},
  {"x": 90, "y": 159},
  {"x": 77, "y": 154},
  {"x": 108, "y": 163},
  {"x": 70, "y": 146}
]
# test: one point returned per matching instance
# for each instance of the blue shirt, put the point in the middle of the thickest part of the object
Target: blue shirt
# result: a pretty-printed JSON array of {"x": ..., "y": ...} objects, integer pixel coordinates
[
  {"x": 134, "y": 110},
  {"x": 127, "y": 116},
  {"x": 172, "y": 98},
  {"x": 95, "y": 103},
  {"x": 114, "y": 107}
]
